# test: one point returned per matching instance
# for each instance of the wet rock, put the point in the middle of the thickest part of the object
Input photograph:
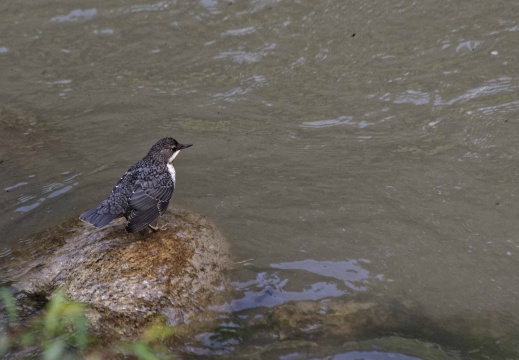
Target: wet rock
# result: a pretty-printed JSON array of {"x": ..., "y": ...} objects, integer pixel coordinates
[{"x": 130, "y": 280}]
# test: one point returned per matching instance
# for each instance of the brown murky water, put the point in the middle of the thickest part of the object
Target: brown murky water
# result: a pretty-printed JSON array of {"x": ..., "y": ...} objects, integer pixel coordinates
[{"x": 345, "y": 147}]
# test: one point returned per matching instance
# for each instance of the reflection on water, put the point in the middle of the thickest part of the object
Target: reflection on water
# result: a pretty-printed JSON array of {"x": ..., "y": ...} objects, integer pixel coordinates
[
  {"x": 271, "y": 289},
  {"x": 218, "y": 346},
  {"x": 268, "y": 290},
  {"x": 348, "y": 271}
]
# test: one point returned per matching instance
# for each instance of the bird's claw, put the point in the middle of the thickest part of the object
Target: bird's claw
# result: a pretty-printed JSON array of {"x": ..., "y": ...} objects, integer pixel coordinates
[{"x": 156, "y": 228}]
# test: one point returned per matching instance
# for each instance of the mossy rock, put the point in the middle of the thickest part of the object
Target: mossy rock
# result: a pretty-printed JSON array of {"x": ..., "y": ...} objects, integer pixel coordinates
[{"x": 130, "y": 280}]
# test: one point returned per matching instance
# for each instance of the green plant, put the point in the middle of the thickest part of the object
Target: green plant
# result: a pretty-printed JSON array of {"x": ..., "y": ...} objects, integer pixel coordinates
[
  {"x": 142, "y": 349},
  {"x": 59, "y": 333},
  {"x": 10, "y": 306}
]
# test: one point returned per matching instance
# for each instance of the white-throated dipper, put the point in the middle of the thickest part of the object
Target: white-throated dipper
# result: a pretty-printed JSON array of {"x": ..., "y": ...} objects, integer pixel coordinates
[{"x": 142, "y": 194}]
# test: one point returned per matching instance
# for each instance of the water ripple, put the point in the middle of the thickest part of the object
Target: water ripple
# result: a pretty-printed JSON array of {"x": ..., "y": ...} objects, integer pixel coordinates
[
  {"x": 505, "y": 108},
  {"x": 492, "y": 87},
  {"x": 413, "y": 97},
  {"x": 240, "y": 32},
  {"x": 211, "y": 6},
  {"x": 9, "y": 188},
  {"x": 341, "y": 120},
  {"x": 470, "y": 45},
  {"x": 53, "y": 190},
  {"x": 243, "y": 57},
  {"x": 247, "y": 85},
  {"x": 76, "y": 15},
  {"x": 149, "y": 7}
]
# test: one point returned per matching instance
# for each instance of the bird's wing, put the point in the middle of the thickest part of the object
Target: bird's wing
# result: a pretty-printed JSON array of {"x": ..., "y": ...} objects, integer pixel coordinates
[
  {"x": 163, "y": 206},
  {"x": 149, "y": 194},
  {"x": 148, "y": 201}
]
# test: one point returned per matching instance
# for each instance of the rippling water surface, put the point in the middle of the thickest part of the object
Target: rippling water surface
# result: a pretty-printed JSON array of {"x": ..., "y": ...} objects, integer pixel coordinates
[{"x": 359, "y": 148}]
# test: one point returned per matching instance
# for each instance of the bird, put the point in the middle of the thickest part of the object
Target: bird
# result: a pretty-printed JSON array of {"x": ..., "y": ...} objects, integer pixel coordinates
[{"x": 143, "y": 193}]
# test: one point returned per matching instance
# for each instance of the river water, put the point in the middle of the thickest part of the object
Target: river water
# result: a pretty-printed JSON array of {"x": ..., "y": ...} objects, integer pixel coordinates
[{"x": 345, "y": 148}]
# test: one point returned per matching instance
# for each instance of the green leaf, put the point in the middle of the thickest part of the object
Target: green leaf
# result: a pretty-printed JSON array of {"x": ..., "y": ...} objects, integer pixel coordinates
[
  {"x": 28, "y": 338},
  {"x": 81, "y": 334},
  {"x": 157, "y": 332},
  {"x": 5, "y": 344},
  {"x": 142, "y": 351},
  {"x": 54, "y": 350},
  {"x": 10, "y": 306},
  {"x": 51, "y": 319}
]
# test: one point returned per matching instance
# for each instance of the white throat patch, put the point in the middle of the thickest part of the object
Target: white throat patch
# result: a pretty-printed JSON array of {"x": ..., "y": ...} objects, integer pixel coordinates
[
  {"x": 170, "y": 160},
  {"x": 171, "y": 169}
]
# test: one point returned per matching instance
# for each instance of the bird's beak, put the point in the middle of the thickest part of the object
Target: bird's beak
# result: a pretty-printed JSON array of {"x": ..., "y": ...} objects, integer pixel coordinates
[{"x": 182, "y": 146}]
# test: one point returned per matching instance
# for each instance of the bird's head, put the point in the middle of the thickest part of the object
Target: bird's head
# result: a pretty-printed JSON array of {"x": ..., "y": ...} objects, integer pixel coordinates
[{"x": 166, "y": 149}]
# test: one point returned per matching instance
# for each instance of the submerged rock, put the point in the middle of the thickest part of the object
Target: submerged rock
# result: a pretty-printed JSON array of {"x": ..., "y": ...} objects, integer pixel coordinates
[
  {"x": 130, "y": 280},
  {"x": 364, "y": 326}
]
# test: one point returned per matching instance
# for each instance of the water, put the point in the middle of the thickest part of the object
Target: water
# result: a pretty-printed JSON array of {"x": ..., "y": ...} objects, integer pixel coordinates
[{"x": 345, "y": 148}]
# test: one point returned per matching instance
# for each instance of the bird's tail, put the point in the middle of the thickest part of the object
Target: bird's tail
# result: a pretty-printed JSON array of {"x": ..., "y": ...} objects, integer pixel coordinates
[{"x": 97, "y": 219}]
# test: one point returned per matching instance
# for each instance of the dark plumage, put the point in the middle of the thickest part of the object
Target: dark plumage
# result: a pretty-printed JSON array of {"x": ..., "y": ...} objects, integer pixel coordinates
[{"x": 142, "y": 194}]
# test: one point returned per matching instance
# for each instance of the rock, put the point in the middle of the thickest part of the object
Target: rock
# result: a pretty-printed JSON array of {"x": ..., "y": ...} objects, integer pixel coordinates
[{"x": 129, "y": 280}]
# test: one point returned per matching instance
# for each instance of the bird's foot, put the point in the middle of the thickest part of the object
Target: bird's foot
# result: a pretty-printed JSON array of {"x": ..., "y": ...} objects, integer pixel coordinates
[{"x": 156, "y": 228}]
